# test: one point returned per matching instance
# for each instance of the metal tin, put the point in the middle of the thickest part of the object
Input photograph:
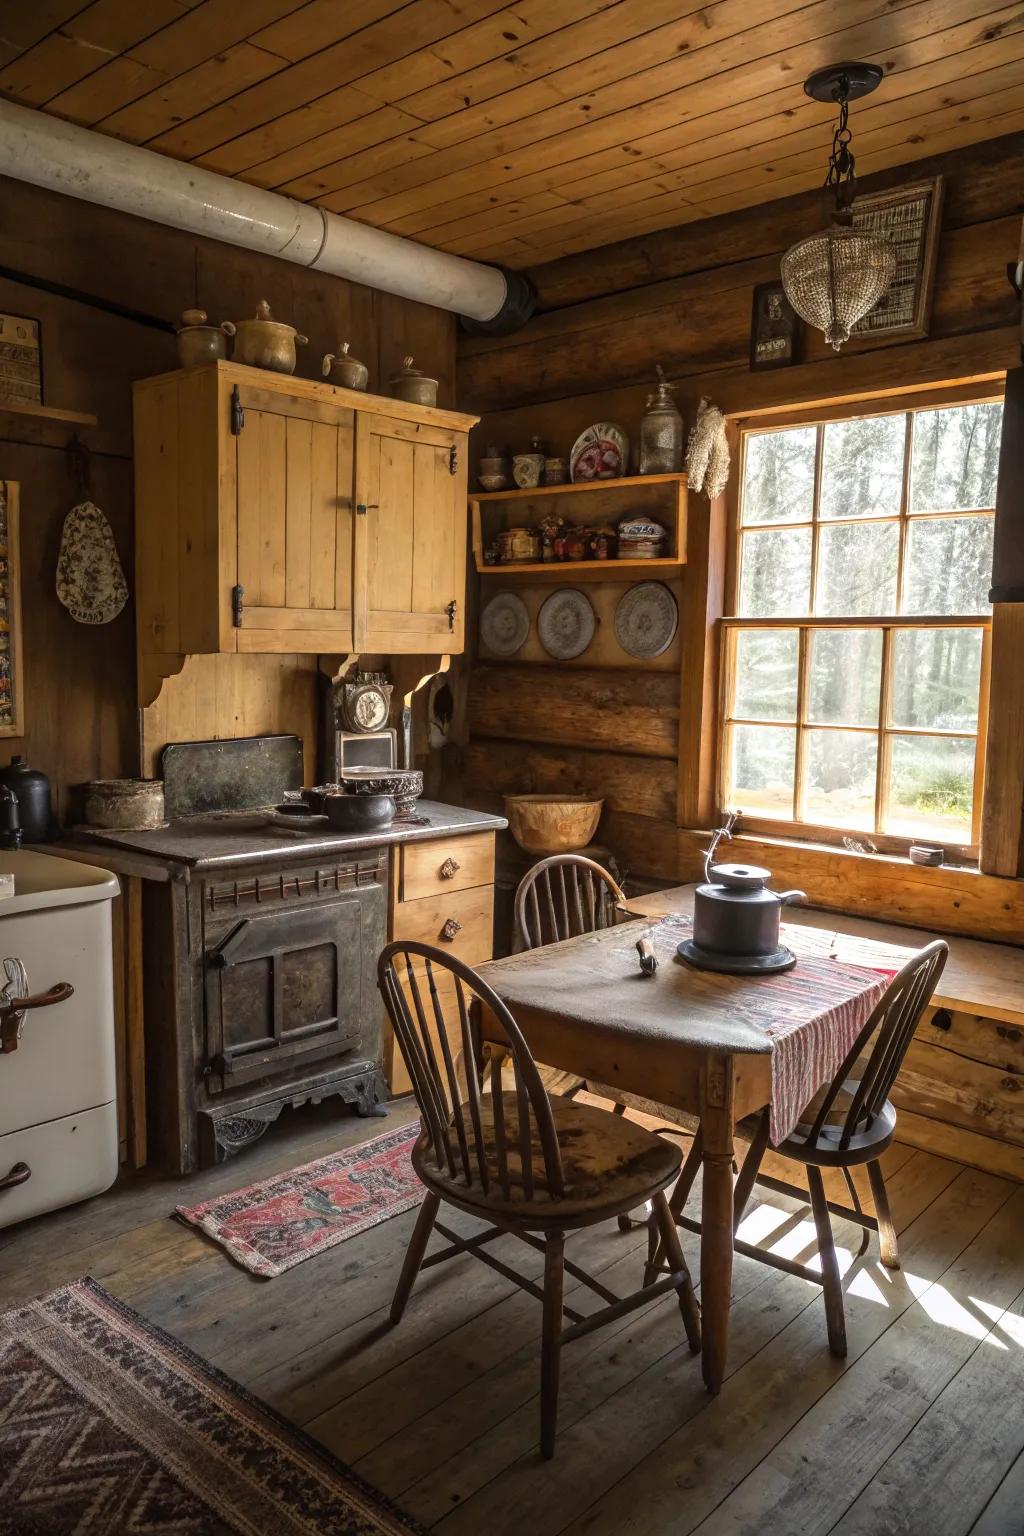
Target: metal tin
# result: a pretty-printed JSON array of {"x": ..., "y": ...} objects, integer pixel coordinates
[
  {"x": 124, "y": 804},
  {"x": 344, "y": 369},
  {"x": 412, "y": 385},
  {"x": 519, "y": 546},
  {"x": 264, "y": 342}
]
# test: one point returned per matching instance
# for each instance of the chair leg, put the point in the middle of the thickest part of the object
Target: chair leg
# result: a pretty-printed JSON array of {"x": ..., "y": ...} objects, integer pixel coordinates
[
  {"x": 751, "y": 1168},
  {"x": 551, "y": 1341},
  {"x": 834, "y": 1314},
  {"x": 414, "y": 1254},
  {"x": 691, "y": 1168},
  {"x": 672, "y": 1247},
  {"x": 887, "y": 1244}
]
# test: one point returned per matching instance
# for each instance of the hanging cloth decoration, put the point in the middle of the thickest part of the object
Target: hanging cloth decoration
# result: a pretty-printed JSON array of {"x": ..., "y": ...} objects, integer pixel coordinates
[
  {"x": 707, "y": 452},
  {"x": 90, "y": 578}
]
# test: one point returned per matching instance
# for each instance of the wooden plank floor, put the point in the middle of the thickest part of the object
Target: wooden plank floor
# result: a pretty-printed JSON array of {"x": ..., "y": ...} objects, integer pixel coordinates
[{"x": 920, "y": 1430}]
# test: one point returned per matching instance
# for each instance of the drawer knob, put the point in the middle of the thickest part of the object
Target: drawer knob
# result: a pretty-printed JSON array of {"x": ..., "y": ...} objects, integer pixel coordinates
[
  {"x": 451, "y": 927},
  {"x": 449, "y": 869}
]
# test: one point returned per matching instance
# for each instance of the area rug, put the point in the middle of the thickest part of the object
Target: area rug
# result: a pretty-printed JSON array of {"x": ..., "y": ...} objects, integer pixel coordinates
[
  {"x": 274, "y": 1225},
  {"x": 107, "y": 1424}
]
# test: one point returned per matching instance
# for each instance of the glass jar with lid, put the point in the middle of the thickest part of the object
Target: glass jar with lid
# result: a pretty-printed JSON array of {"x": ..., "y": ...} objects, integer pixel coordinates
[{"x": 661, "y": 432}]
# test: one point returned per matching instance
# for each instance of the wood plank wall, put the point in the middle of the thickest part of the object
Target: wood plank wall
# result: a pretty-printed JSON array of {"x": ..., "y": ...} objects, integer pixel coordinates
[
  {"x": 81, "y": 719},
  {"x": 683, "y": 298}
]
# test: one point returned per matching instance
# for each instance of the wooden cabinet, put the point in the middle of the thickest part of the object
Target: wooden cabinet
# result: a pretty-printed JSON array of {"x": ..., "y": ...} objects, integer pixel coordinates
[
  {"x": 442, "y": 892},
  {"x": 274, "y": 514}
]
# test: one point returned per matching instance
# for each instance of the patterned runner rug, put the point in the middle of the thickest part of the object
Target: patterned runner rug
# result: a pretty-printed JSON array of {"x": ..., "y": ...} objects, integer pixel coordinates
[
  {"x": 272, "y": 1226},
  {"x": 108, "y": 1425}
]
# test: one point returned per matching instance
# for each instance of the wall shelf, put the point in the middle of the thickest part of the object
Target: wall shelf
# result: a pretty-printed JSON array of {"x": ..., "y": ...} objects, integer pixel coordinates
[
  {"x": 47, "y": 413},
  {"x": 592, "y": 502}
]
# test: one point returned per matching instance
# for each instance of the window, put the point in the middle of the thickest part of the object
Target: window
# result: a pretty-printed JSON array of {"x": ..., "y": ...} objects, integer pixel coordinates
[{"x": 856, "y": 664}]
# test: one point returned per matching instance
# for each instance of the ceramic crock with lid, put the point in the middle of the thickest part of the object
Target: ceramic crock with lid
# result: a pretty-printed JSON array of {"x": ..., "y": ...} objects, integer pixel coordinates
[
  {"x": 344, "y": 369},
  {"x": 412, "y": 385},
  {"x": 264, "y": 342},
  {"x": 199, "y": 342}
]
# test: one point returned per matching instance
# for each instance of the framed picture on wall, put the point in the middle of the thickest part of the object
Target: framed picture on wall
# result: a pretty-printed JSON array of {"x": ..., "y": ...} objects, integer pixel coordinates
[
  {"x": 909, "y": 217},
  {"x": 774, "y": 328},
  {"x": 21, "y": 360},
  {"x": 11, "y": 685}
]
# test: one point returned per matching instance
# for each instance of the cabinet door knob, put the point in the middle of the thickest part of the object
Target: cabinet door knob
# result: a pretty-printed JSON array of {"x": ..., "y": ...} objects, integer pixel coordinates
[
  {"x": 449, "y": 869},
  {"x": 451, "y": 927}
]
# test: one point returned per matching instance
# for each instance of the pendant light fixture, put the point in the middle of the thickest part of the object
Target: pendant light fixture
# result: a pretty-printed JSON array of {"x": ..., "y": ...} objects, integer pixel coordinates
[{"x": 833, "y": 279}]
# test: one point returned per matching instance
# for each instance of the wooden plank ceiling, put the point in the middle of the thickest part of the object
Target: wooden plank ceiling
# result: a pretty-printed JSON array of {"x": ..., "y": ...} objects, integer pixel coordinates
[{"x": 517, "y": 132}]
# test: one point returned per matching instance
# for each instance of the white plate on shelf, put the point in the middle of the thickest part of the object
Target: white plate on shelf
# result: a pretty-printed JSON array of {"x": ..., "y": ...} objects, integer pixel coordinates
[
  {"x": 601, "y": 452},
  {"x": 646, "y": 619},
  {"x": 504, "y": 624},
  {"x": 566, "y": 623}
]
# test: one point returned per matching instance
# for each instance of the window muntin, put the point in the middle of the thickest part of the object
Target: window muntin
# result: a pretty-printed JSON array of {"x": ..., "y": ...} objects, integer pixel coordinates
[{"x": 855, "y": 666}]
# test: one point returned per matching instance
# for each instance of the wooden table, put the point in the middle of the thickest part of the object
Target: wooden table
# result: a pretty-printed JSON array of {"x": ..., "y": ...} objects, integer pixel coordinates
[{"x": 652, "y": 1038}]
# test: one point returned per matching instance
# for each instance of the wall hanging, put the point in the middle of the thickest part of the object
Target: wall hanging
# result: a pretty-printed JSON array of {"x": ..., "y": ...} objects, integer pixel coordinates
[
  {"x": 566, "y": 624},
  {"x": 707, "y": 452},
  {"x": 11, "y": 682},
  {"x": 21, "y": 360},
  {"x": 833, "y": 279},
  {"x": 908, "y": 218},
  {"x": 90, "y": 578},
  {"x": 504, "y": 624}
]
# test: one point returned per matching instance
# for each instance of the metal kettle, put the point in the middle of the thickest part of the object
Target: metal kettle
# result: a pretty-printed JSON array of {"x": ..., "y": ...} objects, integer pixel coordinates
[{"x": 734, "y": 912}]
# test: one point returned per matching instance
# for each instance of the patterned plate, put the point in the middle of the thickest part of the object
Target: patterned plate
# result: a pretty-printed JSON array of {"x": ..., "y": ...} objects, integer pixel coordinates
[
  {"x": 600, "y": 453},
  {"x": 566, "y": 624},
  {"x": 646, "y": 619},
  {"x": 504, "y": 624}
]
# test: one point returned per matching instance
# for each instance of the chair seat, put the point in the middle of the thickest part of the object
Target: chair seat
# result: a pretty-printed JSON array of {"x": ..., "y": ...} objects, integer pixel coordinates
[
  {"x": 609, "y": 1165},
  {"x": 645, "y": 1106},
  {"x": 867, "y": 1144}
]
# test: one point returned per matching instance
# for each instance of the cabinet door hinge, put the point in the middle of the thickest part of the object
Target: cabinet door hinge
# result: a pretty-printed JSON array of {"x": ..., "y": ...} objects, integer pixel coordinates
[
  {"x": 237, "y": 413},
  {"x": 453, "y": 459},
  {"x": 451, "y": 610},
  {"x": 237, "y": 595}
]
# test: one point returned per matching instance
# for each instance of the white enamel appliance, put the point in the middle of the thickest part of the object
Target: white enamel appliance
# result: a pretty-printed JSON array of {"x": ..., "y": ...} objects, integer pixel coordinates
[{"x": 58, "y": 1110}]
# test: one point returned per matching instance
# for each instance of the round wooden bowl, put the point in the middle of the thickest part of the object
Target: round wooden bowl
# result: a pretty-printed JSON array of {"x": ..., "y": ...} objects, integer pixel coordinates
[{"x": 552, "y": 823}]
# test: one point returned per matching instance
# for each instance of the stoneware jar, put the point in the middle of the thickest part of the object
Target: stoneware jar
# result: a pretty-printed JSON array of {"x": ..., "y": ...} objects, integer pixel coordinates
[
  {"x": 527, "y": 468},
  {"x": 199, "y": 342},
  {"x": 341, "y": 368},
  {"x": 412, "y": 385},
  {"x": 264, "y": 342}
]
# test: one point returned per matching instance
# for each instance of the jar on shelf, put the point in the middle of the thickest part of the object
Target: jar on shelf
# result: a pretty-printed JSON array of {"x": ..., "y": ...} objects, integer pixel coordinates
[{"x": 661, "y": 432}]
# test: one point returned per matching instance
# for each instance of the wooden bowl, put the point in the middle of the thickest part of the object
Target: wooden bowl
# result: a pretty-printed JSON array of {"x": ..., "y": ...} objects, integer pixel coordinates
[{"x": 552, "y": 823}]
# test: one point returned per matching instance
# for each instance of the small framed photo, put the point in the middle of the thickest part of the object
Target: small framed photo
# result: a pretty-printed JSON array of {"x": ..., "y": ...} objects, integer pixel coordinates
[
  {"x": 774, "y": 328},
  {"x": 21, "y": 360},
  {"x": 909, "y": 217}
]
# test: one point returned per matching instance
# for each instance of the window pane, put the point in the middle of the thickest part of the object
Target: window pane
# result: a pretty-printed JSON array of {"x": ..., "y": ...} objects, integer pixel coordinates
[
  {"x": 948, "y": 565},
  {"x": 931, "y": 788},
  {"x": 936, "y": 678},
  {"x": 776, "y": 573},
  {"x": 857, "y": 567},
  {"x": 762, "y": 763},
  {"x": 778, "y": 476},
  {"x": 862, "y": 467},
  {"x": 846, "y": 676},
  {"x": 840, "y": 767},
  {"x": 955, "y": 458},
  {"x": 766, "y": 672}
]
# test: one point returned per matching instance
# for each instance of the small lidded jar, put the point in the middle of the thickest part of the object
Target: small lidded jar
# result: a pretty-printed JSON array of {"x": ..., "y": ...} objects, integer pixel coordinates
[{"x": 661, "y": 432}]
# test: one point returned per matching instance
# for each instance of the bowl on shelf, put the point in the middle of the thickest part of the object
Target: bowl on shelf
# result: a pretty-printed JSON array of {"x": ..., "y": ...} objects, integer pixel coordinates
[
  {"x": 358, "y": 813},
  {"x": 404, "y": 785},
  {"x": 552, "y": 823}
]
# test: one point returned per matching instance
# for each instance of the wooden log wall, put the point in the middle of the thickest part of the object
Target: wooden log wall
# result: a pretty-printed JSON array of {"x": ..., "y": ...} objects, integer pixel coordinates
[
  {"x": 682, "y": 297},
  {"x": 81, "y": 718}
]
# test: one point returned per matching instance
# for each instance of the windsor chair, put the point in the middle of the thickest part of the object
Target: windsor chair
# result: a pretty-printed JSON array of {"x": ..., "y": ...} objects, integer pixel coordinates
[
  {"x": 848, "y": 1123},
  {"x": 532, "y": 1166}
]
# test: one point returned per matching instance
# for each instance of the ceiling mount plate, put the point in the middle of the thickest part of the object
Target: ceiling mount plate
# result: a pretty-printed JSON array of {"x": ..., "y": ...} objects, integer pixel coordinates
[{"x": 826, "y": 84}]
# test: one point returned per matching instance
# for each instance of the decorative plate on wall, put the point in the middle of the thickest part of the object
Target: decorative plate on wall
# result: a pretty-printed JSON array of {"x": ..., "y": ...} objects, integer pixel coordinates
[
  {"x": 504, "y": 624},
  {"x": 646, "y": 619},
  {"x": 600, "y": 453},
  {"x": 566, "y": 624}
]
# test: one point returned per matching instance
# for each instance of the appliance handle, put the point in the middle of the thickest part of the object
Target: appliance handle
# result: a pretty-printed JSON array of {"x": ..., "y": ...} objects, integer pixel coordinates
[
  {"x": 20, "y": 1173},
  {"x": 58, "y": 993},
  {"x": 787, "y": 896},
  {"x": 14, "y": 1009}
]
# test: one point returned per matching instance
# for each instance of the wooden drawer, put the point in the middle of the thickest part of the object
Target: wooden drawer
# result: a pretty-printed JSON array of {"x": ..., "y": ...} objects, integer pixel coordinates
[
  {"x": 448, "y": 864},
  {"x": 472, "y": 910}
]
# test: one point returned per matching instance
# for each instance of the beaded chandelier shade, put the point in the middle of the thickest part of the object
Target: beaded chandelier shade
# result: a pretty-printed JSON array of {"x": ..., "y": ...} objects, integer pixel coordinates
[{"x": 834, "y": 279}]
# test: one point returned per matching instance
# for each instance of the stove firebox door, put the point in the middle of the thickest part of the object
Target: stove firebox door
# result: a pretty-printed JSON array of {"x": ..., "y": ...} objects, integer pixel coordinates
[{"x": 284, "y": 989}]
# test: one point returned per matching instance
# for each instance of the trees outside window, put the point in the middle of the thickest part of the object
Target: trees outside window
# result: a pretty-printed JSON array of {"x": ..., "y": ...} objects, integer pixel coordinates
[{"x": 856, "y": 662}]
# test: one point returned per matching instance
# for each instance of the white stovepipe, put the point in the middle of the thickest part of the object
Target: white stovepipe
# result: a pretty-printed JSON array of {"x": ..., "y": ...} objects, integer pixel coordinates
[{"x": 52, "y": 153}]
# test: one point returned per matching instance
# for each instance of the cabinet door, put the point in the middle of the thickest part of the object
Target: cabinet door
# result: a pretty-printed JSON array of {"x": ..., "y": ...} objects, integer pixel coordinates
[
  {"x": 294, "y": 508},
  {"x": 410, "y": 541}
]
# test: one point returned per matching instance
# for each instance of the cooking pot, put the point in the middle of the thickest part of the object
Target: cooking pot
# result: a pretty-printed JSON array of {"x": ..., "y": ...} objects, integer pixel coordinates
[
  {"x": 412, "y": 385},
  {"x": 735, "y": 914},
  {"x": 199, "y": 342},
  {"x": 264, "y": 342}
]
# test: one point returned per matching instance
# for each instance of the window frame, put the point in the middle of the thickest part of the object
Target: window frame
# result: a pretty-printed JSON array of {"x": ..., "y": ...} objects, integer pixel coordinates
[{"x": 745, "y": 426}]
